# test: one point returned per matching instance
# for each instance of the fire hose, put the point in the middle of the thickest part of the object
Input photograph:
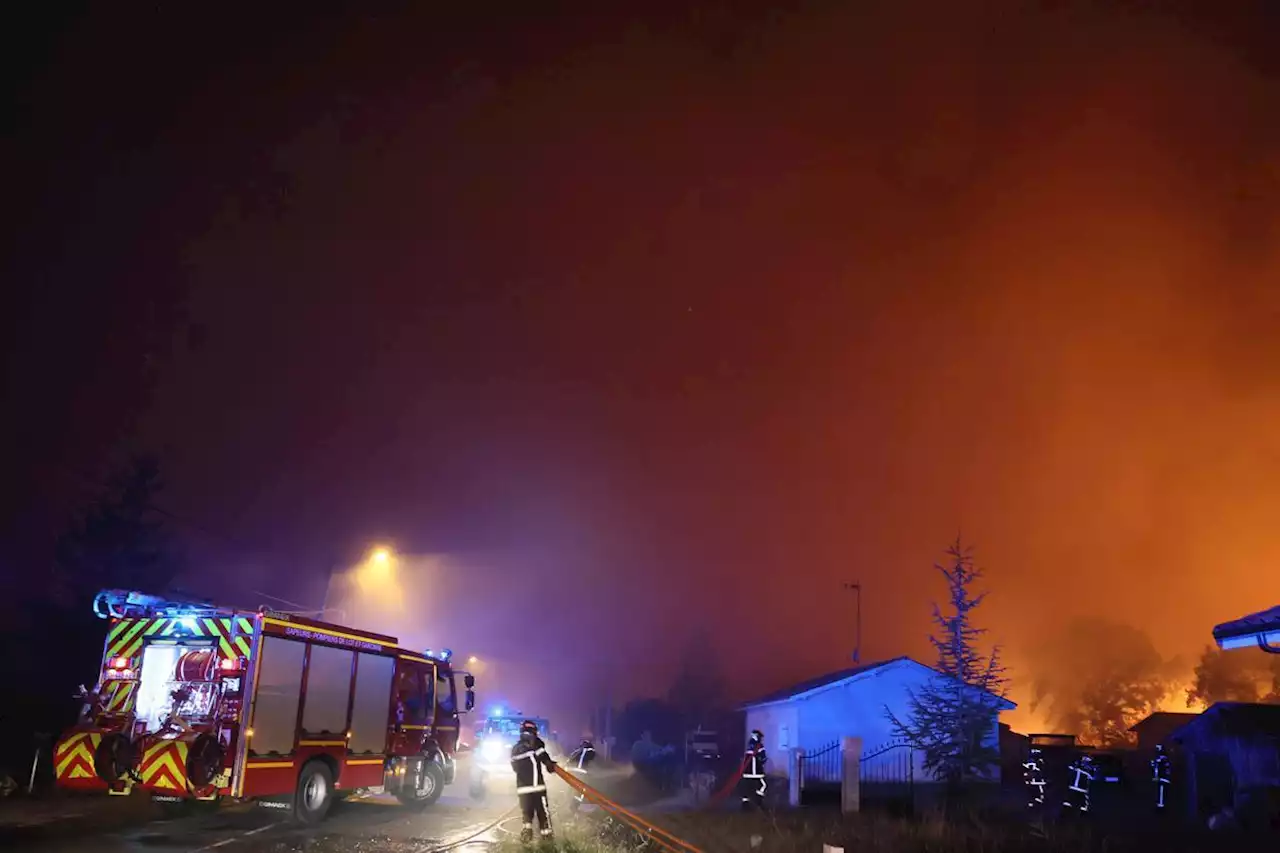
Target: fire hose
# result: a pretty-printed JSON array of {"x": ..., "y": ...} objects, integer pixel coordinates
[
  {"x": 489, "y": 827},
  {"x": 657, "y": 834},
  {"x": 719, "y": 796}
]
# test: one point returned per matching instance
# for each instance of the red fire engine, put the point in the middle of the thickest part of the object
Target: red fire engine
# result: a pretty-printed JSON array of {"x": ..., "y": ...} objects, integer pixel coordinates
[{"x": 197, "y": 702}]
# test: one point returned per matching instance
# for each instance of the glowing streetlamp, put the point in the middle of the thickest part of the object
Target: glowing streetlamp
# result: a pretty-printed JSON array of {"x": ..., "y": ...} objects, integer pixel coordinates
[
  {"x": 378, "y": 567},
  {"x": 473, "y": 660}
]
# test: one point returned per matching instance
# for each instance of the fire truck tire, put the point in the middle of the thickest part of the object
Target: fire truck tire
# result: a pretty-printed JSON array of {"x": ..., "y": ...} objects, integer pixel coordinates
[
  {"x": 430, "y": 786},
  {"x": 114, "y": 757},
  {"x": 314, "y": 796},
  {"x": 204, "y": 761}
]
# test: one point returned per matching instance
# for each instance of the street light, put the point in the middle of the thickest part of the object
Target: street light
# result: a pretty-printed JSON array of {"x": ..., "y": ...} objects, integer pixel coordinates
[
  {"x": 473, "y": 659},
  {"x": 377, "y": 568}
]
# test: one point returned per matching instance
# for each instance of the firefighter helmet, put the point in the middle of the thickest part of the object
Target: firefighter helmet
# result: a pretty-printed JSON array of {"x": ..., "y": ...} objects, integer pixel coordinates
[
  {"x": 529, "y": 727},
  {"x": 757, "y": 736}
]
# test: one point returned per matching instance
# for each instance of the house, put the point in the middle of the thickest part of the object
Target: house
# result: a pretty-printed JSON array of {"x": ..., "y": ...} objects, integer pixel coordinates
[
  {"x": 1155, "y": 729},
  {"x": 1230, "y": 752},
  {"x": 1257, "y": 629},
  {"x": 817, "y": 713}
]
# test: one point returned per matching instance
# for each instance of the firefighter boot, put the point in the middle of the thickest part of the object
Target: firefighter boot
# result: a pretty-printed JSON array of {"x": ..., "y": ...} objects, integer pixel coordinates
[{"x": 526, "y": 833}]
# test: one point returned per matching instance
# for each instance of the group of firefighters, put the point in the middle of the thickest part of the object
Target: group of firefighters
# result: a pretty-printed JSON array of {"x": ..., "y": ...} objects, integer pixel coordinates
[
  {"x": 531, "y": 763},
  {"x": 1081, "y": 773}
]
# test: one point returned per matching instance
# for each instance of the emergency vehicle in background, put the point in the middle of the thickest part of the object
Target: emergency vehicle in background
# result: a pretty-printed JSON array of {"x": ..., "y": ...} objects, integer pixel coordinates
[
  {"x": 197, "y": 702},
  {"x": 494, "y": 739}
]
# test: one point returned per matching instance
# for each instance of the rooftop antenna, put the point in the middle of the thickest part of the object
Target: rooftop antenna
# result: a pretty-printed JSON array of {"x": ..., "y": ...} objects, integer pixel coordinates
[{"x": 856, "y": 588}]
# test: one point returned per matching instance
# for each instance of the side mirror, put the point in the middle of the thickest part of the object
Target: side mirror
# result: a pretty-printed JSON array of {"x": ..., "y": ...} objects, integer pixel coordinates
[
  {"x": 471, "y": 698},
  {"x": 469, "y": 680}
]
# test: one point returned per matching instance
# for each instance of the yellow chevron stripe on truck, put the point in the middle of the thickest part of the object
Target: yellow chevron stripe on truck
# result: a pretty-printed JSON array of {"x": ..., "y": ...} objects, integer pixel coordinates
[
  {"x": 120, "y": 696},
  {"x": 126, "y": 637},
  {"x": 73, "y": 757},
  {"x": 164, "y": 766}
]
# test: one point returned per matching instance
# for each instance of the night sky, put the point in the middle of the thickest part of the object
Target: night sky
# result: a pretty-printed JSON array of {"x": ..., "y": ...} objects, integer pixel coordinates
[{"x": 653, "y": 321}]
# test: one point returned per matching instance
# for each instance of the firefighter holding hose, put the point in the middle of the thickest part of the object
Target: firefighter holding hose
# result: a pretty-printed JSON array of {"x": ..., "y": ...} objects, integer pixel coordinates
[
  {"x": 579, "y": 759},
  {"x": 753, "y": 785},
  {"x": 531, "y": 763}
]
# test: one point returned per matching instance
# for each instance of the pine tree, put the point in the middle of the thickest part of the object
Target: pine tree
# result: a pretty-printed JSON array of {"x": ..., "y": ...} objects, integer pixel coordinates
[{"x": 952, "y": 719}]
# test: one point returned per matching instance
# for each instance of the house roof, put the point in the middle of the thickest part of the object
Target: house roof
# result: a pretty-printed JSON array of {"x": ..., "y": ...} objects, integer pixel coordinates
[
  {"x": 1243, "y": 719},
  {"x": 831, "y": 679},
  {"x": 1163, "y": 718},
  {"x": 1249, "y": 630}
]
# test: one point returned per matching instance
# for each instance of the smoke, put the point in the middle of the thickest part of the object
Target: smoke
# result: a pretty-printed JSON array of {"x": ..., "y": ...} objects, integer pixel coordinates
[
  {"x": 1096, "y": 678},
  {"x": 503, "y": 625},
  {"x": 766, "y": 315}
]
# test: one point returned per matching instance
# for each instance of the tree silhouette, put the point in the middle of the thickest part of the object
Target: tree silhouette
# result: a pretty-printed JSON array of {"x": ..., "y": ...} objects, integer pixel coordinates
[
  {"x": 1243, "y": 675},
  {"x": 1098, "y": 678},
  {"x": 699, "y": 687},
  {"x": 952, "y": 719},
  {"x": 119, "y": 539}
]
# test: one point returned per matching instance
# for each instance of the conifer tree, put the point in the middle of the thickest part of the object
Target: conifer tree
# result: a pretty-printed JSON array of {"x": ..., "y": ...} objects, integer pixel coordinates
[{"x": 951, "y": 720}]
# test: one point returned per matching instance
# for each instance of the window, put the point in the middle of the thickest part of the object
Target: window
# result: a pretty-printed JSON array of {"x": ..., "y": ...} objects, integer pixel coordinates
[
  {"x": 324, "y": 710},
  {"x": 784, "y": 737},
  {"x": 445, "y": 699},
  {"x": 370, "y": 711},
  {"x": 275, "y": 707},
  {"x": 411, "y": 710}
]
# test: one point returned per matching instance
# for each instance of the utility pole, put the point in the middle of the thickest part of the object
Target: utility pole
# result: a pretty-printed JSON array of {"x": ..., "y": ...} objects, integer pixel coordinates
[
  {"x": 856, "y": 588},
  {"x": 608, "y": 722}
]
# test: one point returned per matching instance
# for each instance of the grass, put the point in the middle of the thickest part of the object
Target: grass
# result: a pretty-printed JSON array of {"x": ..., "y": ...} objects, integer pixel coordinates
[
  {"x": 806, "y": 831},
  {"x": 1131, "y": 830}
]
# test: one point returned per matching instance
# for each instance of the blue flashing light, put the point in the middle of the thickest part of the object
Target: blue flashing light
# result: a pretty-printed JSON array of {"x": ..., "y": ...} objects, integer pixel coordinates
[
  {"x": 497, "y": 712},
  {"x": 445, "y": 654},
  {"x": 188, "y": 622},
  {"x": 429, "y": 653}
]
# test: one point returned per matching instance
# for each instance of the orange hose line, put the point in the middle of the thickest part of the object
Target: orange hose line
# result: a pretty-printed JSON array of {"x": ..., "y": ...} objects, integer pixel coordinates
[
  {"x": 615, "y": 811},
  {"x": 657, "y": 833}
]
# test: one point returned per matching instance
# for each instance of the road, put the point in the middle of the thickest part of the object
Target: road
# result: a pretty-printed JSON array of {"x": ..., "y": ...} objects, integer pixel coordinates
[{"x": 132, "y": 825}]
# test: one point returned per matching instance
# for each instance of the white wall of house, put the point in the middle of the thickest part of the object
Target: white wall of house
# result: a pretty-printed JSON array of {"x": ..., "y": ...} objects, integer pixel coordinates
[
  {"x": 853, "y": 708},
  {"x": 777, "y": 722}
]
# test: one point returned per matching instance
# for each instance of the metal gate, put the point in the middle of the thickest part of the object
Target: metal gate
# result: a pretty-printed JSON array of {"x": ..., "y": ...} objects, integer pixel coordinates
[
  {"x": 887, "y": 774},
  {"x": 822, "y": 766}
]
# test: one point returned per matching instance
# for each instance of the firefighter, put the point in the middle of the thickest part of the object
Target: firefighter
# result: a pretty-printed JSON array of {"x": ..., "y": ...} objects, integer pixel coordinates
[
  {"x": 1161, "y": 775},
  {"x": 530, "y": 761},
  {"x": 581, "y": 757},
  {"x": 1081, "y": 773},
  {"x": 753, "y": 785},
  {"x": 1033, "y": 776}
]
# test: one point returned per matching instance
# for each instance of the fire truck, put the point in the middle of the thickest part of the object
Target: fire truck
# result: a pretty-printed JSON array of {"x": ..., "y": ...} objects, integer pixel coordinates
[
  {"x": 494, "y": 739},
  {"x": 200, "y": 703}
]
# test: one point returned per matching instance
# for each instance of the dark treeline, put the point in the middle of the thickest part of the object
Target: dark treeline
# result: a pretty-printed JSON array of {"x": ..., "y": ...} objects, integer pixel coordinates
[{"x": 51, "y": 640}]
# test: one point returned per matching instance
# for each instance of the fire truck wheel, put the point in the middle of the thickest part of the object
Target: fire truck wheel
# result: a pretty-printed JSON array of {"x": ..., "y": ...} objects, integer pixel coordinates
[
  {"x": 114, "y": 757},
  {"x": 429, "y": 787},
  {"x": 315, "y": 793}
]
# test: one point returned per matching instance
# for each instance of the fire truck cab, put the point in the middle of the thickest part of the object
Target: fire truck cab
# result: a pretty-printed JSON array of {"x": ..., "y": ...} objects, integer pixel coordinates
[{"x": 196, "y": 702}]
